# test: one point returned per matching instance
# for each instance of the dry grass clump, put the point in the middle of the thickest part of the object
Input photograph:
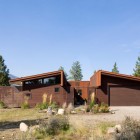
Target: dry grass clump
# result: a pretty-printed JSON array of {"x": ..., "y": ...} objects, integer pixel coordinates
[
  {"x": 25, "y": 105},
  {"x": 130, "y": 130},
  {"x": 53, "y": 126}
]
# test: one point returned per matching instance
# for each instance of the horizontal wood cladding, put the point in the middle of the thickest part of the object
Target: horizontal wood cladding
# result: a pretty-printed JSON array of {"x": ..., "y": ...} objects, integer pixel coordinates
[
  {"x": 59, "y": 97},
  {"x": 118, "y": 91},
  {"x": 101, "y": 96},
  {"x": 11, "y": 96},
  {"x": 125, "y": 96}
]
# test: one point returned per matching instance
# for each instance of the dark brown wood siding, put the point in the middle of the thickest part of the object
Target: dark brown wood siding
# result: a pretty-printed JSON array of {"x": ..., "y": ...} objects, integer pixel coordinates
[
  {"x": 59, "y": 97},
  {"x": 124, "y": 96},
  {"x": 11, "y": 96},
  {"x": 112, "y": 88}
]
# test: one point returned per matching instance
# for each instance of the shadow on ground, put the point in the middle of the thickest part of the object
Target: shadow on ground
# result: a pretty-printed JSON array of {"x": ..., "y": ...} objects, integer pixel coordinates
[{"x": 12, "y": 125}]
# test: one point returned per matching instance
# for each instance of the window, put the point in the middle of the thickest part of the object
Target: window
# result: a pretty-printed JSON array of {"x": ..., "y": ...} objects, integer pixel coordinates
[
  {"x": 56, "y": 89},
  {"x": 79, "y": 92}
]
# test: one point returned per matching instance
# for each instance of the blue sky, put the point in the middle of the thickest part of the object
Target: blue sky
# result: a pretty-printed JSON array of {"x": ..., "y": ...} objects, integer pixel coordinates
[{"x": 38, "y": 36}]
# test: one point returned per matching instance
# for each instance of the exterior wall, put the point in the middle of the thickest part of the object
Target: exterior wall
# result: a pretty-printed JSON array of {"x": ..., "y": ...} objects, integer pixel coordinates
[
  {"x": 11, "y": 96},
  {"x": 104, "y": 92},
  {"x": 58, "y": 97},
  {"x": 101, "y": 96},
  {"x": 81, "y": 85}
]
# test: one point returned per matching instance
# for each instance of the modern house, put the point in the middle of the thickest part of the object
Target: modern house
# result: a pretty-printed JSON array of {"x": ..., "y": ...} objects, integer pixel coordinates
[
  {"x": 111, "y": 88},
  {"x": 116, "y": 89}
]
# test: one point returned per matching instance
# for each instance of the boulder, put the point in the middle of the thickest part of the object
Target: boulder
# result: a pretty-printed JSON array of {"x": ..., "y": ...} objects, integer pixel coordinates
[
  {"x": 23, "y": 127},
  {"x": 61, "y": 111},
  {"x": 73, "y": 112},
  {"x": 118, "y": 128}
]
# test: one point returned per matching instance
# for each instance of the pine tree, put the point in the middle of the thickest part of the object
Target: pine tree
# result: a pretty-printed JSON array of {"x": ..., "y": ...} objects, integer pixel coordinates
[
  {"x": 76, "y": 71},
  {"x": 62, "y": 68},
  {"x": 137, "y": 68},
  {"x": 115, "y": 68},
  {"x": 4, "y": 73}
]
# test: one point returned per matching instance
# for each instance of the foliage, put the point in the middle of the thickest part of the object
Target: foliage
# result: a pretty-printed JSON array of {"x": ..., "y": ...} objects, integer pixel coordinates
[
  {"x": 62, "y": 68},
  {"x": 137, "y": 68},
  {"x": 44, "y": 97},
  {"x": 130, "y": 130},
  {"x": 25, "y": 105},
  {"x": 42, "y": 106},
  {"x": 104, "y": 108},
  {"x": 96, "y": 108},
  {"x": 4, "y": 73},
  {"x": 115, "y": 68},
  {"x": 53, "y": 126},
  {"x": 2, "y": 105},
  {"x": 92, "y": 98},
  {"x": 76, "y": 71}
]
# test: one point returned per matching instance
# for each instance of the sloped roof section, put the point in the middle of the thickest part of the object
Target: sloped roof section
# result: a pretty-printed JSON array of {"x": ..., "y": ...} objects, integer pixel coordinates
[
  {"x": 43, "y": 75},
  {"x": 96, "y": 78}
]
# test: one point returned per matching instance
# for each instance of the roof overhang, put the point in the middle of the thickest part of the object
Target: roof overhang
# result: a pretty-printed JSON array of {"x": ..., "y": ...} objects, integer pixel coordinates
[{"x": 43, "y": 75}]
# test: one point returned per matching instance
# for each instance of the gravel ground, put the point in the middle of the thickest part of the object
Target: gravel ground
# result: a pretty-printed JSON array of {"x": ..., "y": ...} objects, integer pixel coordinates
[
  {"x": 89, "y": 120},
  {"x": 120, "y": 112}
]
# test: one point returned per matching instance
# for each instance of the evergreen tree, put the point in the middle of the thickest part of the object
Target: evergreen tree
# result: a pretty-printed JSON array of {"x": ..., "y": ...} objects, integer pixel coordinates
[
  {"x": 137, "y": 68},
  {"x": 115, "y": 68},
  {"x": 4, "y": 73},
  {"x": 62, "y": 68},
  {"x": 76, "y": 71}
]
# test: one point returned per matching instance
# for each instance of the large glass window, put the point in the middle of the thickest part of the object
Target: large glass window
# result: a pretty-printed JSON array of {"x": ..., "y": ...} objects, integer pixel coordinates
[{"x": 44, "y": 81}]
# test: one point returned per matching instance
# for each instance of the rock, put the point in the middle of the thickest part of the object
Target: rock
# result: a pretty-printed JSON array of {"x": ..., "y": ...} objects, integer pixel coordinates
[
  {"x": 73, "y": 112},
  {"x": 112, "y": 112},
  {"x": 23, "y": 127},
  {"x": 60, "y": 111},
  {"x": 118, "y": 128},
  {"x": 111, "y": 130},
  {"x": 49, "y": 110}
]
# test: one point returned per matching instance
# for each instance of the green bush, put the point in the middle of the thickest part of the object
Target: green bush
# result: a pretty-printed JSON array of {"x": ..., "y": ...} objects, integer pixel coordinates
[
  {"x": 2, "y": 105},
  {"x": 96, "y": 108},
  {"x": 91, "y": 105},
  {"x": 25, "y": 106},
  {"x": 42, "y": 106},
  {"x": 130, "y": 130},
  {"x": 53, "y": 126},
  {"x": 104, "y": 108},
  {"x": 56, "y": 124},
  {"x": 54, "y": 105}
]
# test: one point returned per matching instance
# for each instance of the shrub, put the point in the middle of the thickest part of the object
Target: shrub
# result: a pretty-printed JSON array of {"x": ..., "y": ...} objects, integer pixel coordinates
[
  {"x": 92, "y": 98},
  {"x": 54, "y": 105},
  {"x": 2, "y": 105},
  {"x": 25, "y": 106},
  {"x": 96, "y": 108},
  {"x": 130, "y": 130},
  {"x": 53, "y": 126},
  {"x": 42, "y": 106},
  {"x": 56, "y": 124},
  {"x": 104, "y": 108}
]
